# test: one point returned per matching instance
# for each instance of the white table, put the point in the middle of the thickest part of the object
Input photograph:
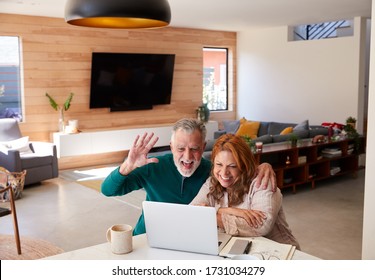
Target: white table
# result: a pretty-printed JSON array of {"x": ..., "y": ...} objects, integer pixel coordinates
[{"x": 141, "y": 251}]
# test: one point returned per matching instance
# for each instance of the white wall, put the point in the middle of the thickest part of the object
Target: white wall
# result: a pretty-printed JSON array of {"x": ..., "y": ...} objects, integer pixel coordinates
[
  {"x": 317, "y": 80},
  {"x": 292, "y": 81},
  {"x": 368, "y": 241}
]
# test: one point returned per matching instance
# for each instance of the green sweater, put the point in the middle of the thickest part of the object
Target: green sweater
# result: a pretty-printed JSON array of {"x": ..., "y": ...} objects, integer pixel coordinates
[{"x": 161, "y": 181}]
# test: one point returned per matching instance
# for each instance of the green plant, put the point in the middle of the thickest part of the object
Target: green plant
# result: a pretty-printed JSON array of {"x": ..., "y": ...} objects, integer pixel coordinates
[
  {"x": 351, "y": 120},
  {"x": 203, "y": 112},
  {"x": 352, "y": 133},
  {"x": 56, "y": 106},
  {"x": 249, "y": 142},
  {"x": 293, "y": 138}
]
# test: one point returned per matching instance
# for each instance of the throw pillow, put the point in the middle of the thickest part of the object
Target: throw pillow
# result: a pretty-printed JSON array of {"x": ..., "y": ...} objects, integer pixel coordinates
[
  {"x": 209, "y": 145},
  {"x": 231, "y": 126},
  {"x": 248, "y": 128},
  {"x": 286, "y": 130},
  {"x": 20, "y": 144},
  {"x": 302, "y": 126}
]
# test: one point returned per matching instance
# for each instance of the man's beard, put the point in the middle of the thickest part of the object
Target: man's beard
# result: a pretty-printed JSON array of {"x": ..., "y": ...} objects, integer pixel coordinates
[{"x": 187, "y": 172}]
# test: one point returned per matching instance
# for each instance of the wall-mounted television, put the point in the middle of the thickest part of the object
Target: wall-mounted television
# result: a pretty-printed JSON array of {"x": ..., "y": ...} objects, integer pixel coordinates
[{"x": 130, "y": 81}]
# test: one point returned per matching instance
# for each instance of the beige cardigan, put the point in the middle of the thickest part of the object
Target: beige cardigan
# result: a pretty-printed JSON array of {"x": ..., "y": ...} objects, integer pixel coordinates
[{"x": 274, "y": 227}]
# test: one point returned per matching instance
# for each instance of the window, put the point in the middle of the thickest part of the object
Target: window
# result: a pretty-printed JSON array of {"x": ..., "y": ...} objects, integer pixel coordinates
[
  {"x": 10, "y": 78},
  {"x": 215, "y": 78},
  {"x": 323, "y": 30}
]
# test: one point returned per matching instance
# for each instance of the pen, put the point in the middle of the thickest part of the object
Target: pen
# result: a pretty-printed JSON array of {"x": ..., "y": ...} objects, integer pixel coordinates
[{"x": 247, "y": 249}]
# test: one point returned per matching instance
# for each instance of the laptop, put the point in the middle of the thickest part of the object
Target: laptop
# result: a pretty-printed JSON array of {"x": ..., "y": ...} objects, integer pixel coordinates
[{"x": 183, "y": 227}]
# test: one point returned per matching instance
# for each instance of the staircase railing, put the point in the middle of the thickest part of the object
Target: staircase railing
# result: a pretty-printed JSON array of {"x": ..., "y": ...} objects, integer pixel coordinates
[{"x": 320, "y": 30}]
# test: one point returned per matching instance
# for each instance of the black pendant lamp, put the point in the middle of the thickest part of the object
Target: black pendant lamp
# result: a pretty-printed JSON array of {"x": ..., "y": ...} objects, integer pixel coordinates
[{"x": 126, "y": 14}]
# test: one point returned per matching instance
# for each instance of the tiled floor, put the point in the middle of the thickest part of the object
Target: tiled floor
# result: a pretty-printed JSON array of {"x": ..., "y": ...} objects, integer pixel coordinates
[{"x": 327, "y": 221}]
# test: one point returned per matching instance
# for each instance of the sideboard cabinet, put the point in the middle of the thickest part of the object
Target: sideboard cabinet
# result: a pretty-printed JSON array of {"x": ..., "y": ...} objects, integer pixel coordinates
[{"x": 308, "y": 162}]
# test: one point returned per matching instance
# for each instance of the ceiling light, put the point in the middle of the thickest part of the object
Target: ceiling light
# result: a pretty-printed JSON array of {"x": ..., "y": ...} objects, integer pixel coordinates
[{"x": 127, "y": 14}]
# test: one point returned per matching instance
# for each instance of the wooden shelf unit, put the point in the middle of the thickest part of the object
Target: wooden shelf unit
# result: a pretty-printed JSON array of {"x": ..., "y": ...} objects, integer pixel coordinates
[{"x": 313, "y": 165}]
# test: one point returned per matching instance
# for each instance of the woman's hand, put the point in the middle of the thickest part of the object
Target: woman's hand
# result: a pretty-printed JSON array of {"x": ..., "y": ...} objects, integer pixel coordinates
[{"x": 254, "y": 218}]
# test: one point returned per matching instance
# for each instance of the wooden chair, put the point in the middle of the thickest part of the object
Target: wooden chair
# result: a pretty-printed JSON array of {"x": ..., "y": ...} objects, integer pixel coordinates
[{"x": 11, "y": 210}]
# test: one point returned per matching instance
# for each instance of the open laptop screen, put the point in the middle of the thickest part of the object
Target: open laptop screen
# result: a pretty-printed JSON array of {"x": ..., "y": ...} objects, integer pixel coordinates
[{"x": 181, "y": 227}]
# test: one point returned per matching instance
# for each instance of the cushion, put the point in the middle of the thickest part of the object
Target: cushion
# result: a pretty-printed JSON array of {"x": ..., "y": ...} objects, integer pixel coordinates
[
  {"x": 266, "y": 139},
  {"x": 20, "y": 144},
  {"x": 263, "y": 128},
  {"x": 209, "y": 145},
  {"x": 243, "y": 120},
  {"x": 275, "y": 128},
  {"x": 31, "y": 161},
  {"x": 286, "y": 130},
  {"x": 302, "y": 126},
  {"x": 9, "y": 130},
  {"x": 231, "y": 126},
  {"x": 280, "y": 138},
  {"x": 248, "y": 128},
  {"x": 218, "y": 133},
  {"x": 301, "y": 134}
]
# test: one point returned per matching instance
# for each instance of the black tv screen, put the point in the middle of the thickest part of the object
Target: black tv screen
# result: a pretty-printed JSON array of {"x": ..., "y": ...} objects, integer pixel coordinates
[{"x": 130, "y": 81}]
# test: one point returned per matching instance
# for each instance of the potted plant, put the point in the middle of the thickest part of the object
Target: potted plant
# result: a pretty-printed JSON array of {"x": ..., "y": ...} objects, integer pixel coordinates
[
  {"x": 203, "y": 113},
  {"x": 249, "y": 142},
  {"x": 352, "y": 133},
  {"x": 293, "y": 138},
  {"x": 351, "y": 121},
  {"x": 61, "y": 109}
]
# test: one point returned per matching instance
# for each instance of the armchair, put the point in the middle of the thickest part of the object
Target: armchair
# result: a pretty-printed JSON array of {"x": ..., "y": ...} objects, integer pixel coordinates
[{"x": 18, "y": 154}]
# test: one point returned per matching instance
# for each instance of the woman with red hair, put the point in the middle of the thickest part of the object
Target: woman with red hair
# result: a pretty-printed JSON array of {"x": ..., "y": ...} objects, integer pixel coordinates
[{"x": 242, "y": 209}]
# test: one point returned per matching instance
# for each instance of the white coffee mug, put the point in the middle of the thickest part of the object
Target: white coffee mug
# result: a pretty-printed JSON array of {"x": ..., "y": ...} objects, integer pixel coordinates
[{"x": 121, "y": 238}]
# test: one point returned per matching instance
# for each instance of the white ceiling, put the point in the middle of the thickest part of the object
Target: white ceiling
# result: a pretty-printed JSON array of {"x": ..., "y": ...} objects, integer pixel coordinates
[{"x": 230, "y": 15}]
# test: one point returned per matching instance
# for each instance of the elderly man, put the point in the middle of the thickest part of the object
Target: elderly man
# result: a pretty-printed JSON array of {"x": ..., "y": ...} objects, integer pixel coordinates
[{"x": 175, "y": 177}]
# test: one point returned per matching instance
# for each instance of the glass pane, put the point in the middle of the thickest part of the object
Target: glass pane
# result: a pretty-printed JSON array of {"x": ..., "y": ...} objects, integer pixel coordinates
[
  {"x": 10, "y": 78},
  {"x": 215, "y": 78}
]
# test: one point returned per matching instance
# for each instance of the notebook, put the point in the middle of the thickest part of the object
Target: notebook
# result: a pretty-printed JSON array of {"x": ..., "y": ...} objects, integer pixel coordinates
[{"x": 183, "y": 227}]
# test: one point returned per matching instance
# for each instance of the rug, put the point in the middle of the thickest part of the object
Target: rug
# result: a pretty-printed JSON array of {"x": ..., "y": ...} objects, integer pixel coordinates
[
  {"x": 32, "y": 248},
  {"x": 92, "y": 184}
]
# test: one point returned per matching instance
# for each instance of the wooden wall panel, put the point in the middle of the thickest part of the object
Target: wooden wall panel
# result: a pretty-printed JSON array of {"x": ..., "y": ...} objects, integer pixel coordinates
[{"x": 57, "y": 60}]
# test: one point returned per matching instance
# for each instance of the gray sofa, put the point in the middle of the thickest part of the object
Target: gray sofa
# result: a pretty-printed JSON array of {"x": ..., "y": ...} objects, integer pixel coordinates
[{"x": 269, "y": 132}]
